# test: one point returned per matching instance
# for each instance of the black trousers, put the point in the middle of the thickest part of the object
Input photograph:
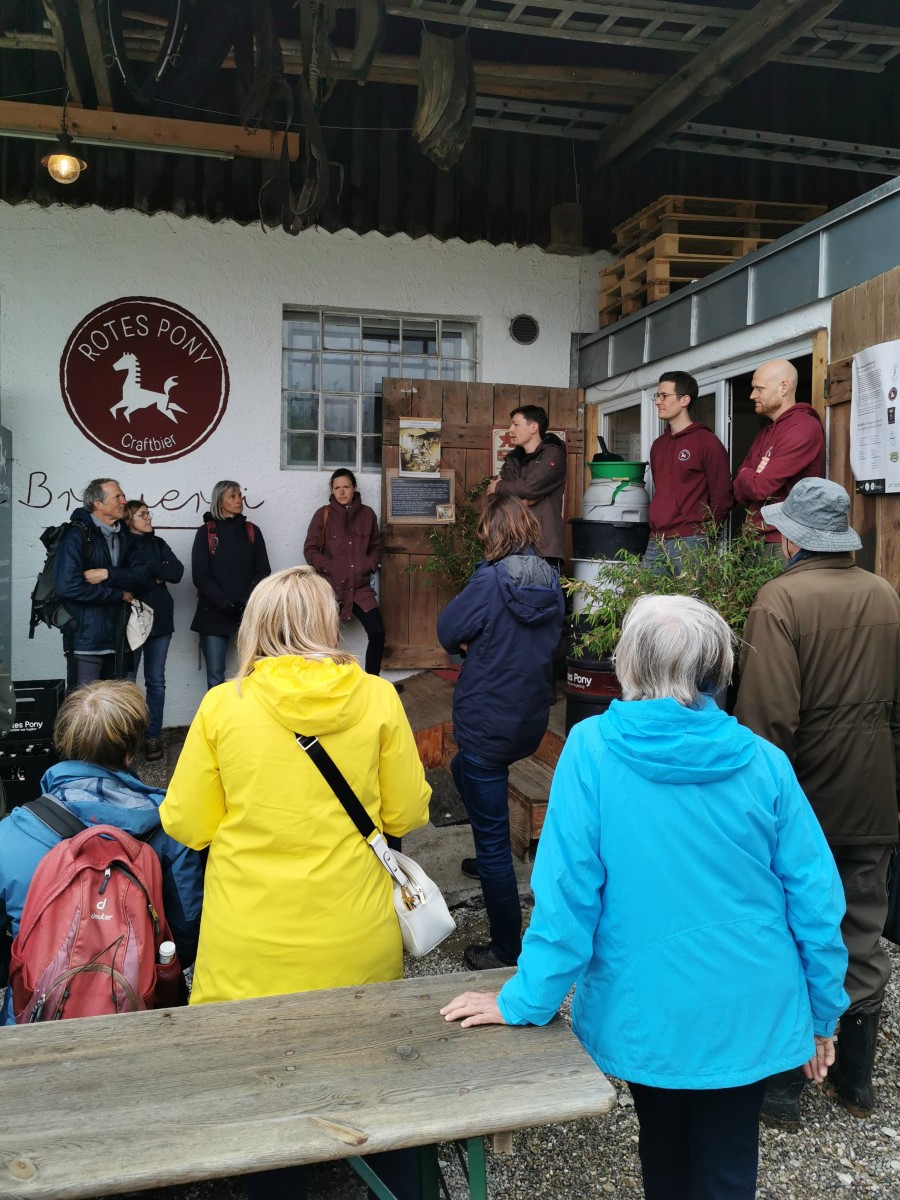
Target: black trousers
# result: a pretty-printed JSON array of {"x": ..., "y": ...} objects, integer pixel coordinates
[
  {"x": 398, "y": 1169},
  {"x": 699, "y": 1145},
  {"x": 374, "y": 626}
]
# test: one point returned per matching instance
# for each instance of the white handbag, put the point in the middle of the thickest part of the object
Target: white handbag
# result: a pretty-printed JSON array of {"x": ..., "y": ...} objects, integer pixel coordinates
[
  {"x": 140, "y": 623},
  {"x": 421, "y": 909}
]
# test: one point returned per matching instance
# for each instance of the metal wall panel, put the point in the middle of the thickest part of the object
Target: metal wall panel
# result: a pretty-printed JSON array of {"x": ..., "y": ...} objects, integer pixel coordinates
[
  {"x": 785, "y": 281},
  {"x": 627, "y": 348},
  {"x": 721, "y": 309},
  {"x": 593, "y": 362},
  {"x": 861, "y": 246},
  {"x": 669, "y": 331}
]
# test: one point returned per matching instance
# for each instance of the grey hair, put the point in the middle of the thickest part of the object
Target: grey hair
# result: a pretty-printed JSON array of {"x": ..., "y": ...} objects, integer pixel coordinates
[
  {"x": 215, "y": 505},
  {"x": 673, "y": 647},
  {"x": 94, "y": 493}
]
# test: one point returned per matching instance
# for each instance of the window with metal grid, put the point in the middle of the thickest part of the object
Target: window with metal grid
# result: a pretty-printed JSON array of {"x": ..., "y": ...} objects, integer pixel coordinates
[{"x": 332, "y": 368}]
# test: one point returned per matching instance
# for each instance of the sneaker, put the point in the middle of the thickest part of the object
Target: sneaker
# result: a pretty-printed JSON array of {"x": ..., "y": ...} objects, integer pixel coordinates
[
  {"x": 483, "y": 958},
  {"x": 469, "y": 868},
  {"x": 153, "y": 749}
]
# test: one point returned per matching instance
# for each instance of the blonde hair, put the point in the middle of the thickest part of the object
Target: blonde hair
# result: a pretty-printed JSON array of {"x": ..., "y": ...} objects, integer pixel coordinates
[
  {"x": 293, "y": 611},
  {"x": 103, "y": 723},
  {"x": 507, "y": 526}
]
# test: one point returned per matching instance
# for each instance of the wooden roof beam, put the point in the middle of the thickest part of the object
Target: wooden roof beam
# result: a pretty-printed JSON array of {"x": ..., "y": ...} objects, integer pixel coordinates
[
  {"x": 152, "y": 133},
  {"x": 582, "y": 85},
  {"x": 93, "y": 40},
  {"x": 760, "y": 34},
  {"x": 65, "y": 29}
]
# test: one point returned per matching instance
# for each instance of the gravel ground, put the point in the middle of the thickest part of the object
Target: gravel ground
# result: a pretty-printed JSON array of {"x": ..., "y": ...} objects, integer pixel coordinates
[{"x": 832, "y": 1156}]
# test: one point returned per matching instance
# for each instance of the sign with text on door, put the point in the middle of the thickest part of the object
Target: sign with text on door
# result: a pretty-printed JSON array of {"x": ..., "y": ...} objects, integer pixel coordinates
[{"x": 144, "y": 379}]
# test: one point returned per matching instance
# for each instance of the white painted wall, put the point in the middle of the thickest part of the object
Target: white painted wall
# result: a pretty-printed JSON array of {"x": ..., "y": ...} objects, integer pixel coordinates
[{"x": 58, "y": 264}]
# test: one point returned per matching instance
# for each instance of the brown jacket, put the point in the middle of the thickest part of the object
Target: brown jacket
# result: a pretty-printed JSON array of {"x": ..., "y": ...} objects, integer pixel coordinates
[
  {"x": 540, "y": 478},
  {"x": 820, "y": 678},
  {"x": 345, "y": 547}
]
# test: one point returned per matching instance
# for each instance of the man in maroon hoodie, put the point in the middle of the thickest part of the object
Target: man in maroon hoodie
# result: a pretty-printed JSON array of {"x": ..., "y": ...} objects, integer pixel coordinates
[
  {"x": 791, "y": 448},
  {"x": 691, "y": 476}
]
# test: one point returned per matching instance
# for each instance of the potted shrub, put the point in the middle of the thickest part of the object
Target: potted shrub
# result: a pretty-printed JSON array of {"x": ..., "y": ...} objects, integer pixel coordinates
[
  {"x": 726, "y": 575},
  {"x": 456, "y": 550}
]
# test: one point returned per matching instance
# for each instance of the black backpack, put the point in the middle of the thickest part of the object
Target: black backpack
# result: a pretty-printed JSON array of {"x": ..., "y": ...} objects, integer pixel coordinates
[{"x": 46, "y": 607}]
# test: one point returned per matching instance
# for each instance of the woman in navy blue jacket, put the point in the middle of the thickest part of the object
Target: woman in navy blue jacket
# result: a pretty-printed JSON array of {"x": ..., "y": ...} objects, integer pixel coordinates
[
  {"x": 165, "y": 567},
  {"x": 507, "y": 622}
]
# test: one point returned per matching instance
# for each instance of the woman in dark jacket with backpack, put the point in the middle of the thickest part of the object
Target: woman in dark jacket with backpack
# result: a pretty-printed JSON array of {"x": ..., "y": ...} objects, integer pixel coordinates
[
  {"x": 507, "y": 621},
  {"x": 165, "y": 567},
  {"x": 227, "y": 562},
  {"x": 343, "y": 543}
]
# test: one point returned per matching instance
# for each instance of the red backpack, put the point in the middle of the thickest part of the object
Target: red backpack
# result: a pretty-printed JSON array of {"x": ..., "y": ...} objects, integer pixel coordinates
[{"x": 89, "y": 938}]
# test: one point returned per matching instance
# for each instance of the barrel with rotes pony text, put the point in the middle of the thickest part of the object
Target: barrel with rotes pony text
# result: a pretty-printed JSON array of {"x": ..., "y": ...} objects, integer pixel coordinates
[{"x": 591, "y": 686}]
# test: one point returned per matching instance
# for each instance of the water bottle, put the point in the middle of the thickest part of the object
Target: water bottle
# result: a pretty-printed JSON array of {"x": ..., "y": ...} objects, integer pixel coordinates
[{"x": 169, "y": 981}]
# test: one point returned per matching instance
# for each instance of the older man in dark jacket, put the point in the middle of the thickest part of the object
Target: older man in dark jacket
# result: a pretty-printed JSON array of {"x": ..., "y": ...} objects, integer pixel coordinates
[
  {"x": 95, "y": 574},
  {"x": 820, "y": 678}
]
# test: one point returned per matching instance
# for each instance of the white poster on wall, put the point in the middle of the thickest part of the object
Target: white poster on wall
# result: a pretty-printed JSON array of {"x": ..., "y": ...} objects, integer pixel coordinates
[{"x": 874, "y": 428}]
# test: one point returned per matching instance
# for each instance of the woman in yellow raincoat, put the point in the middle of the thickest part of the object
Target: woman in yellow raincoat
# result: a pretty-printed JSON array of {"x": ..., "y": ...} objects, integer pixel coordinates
[{"x": 294, "y": 899}]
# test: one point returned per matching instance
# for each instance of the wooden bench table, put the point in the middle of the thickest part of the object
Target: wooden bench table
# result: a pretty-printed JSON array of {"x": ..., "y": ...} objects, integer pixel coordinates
[{"x": 103, "y": 1105}]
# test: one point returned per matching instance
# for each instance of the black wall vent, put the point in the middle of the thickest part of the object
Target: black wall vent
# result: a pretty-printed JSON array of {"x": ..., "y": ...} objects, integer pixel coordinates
[{"x": 524, "y": 330}]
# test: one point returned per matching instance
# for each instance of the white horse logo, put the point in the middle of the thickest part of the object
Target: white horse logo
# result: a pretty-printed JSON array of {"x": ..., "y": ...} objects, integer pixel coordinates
[{"x": 135, "y": 397}]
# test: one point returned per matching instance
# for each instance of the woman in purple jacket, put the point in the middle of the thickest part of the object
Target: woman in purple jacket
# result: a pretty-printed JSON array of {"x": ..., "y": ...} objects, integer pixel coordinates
[{"x": 343, "y": 543}]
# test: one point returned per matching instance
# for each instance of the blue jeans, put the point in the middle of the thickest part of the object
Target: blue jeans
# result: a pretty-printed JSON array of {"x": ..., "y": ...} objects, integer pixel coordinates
[
  {"x": 215, "y": 651},
  {"x": 484, "y": 788},
  {"x": 676, "y": 550},
  {"x": 153, "y": 652}
]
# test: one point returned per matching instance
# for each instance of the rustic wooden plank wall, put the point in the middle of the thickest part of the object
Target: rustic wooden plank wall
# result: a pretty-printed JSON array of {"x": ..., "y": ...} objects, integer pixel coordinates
[
  {"x": 410, "y": 604},
  {"x": 861, "y": 317}
]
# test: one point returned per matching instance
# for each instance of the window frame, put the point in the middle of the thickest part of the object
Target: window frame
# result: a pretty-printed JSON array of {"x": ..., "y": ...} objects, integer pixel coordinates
[{"x": 409, "y": 365}]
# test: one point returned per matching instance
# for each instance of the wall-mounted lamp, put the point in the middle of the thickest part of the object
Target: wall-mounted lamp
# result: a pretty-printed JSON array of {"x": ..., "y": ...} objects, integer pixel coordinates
[{"x": 62, "y": 162}]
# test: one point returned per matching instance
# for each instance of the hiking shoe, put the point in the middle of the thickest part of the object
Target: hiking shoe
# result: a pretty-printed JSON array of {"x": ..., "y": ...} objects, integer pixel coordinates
[
  {"x": 483, "y": 958},
  {"x": 153, "y": 749},
  {"x": 469, "y": 868}
]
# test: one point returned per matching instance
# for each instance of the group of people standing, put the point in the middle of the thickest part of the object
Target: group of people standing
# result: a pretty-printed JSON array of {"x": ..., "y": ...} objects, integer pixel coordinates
[{"x": 111, "y": 556}]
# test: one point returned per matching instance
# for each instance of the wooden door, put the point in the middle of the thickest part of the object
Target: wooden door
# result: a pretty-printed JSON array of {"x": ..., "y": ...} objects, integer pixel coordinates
[
  {"x": 409, "y": 602},
  {"x": 861, "y": 317}
]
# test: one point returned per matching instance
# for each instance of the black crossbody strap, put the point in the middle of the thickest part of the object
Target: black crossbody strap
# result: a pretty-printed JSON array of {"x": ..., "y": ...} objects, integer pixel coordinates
[
  {"x": 55, "y": 817},
  {"x": 338, "y": 784}
]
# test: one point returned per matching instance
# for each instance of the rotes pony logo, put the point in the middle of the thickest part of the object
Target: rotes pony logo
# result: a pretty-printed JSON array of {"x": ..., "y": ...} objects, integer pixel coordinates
[{"x": 144, "y": 379}]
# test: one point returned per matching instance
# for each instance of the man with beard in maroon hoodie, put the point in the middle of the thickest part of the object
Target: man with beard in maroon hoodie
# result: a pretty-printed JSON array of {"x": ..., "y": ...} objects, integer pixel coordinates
[
  {"x": 691, "y": 476},
  {"x": 789, "y": 449}
]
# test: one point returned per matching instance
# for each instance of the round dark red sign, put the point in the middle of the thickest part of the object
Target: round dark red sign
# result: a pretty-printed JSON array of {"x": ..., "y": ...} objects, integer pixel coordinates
[{"x": 144, "y": 379}]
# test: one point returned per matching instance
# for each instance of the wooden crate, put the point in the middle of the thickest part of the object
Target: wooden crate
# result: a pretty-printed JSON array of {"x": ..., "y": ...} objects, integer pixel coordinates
[{"x": 529, "y": 791}]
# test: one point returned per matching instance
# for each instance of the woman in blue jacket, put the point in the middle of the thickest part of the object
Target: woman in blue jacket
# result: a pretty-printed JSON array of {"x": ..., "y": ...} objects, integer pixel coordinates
[
  {"x": 165, "y": 568},
  {"x": 683, "y": 883},
  {"x": 507, "y": 622},
  {"x": 98, "y": 732}
]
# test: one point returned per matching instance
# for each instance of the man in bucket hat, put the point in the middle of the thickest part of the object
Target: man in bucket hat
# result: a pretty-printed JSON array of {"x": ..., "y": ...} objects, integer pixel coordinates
[{"x": 820, "y": 679}]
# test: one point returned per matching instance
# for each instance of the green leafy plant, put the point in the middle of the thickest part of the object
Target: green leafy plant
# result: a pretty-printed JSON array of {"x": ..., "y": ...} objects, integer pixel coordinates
[
  {"x": 455, "y": 549},
  {"x": 725, "y": 575}
]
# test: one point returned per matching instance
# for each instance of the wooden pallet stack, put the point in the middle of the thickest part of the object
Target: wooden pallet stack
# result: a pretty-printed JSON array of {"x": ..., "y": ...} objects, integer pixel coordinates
[{"x": 679, "y": 239}]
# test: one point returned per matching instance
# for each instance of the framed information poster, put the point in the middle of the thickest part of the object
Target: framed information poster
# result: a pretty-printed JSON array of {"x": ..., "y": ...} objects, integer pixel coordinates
[{"x": 418, "y": 500}]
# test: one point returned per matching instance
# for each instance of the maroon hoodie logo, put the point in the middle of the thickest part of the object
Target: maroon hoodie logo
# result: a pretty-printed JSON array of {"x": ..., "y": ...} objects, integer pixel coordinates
[{"x": 684, "y": 455}]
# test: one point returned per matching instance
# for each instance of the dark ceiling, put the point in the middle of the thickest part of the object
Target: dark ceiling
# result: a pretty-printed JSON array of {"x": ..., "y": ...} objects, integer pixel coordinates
[{"x": 247, "y": 55}]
